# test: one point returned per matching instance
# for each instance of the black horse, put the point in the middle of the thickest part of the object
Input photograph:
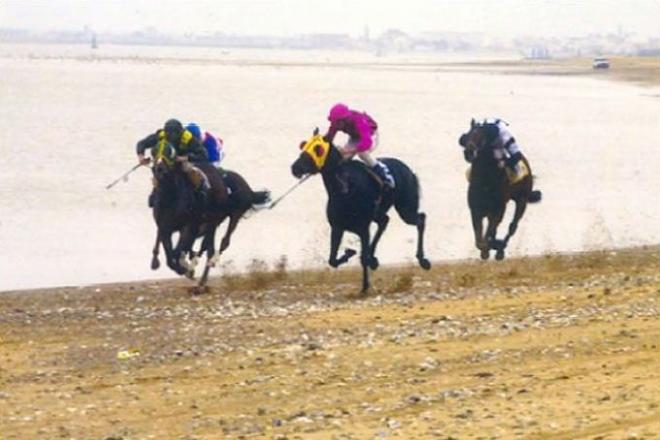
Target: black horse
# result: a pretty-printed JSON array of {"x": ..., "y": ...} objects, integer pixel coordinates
[
  {"x": 490, "y": 189},
  {"x": 356, "y": 198},
  {"x": 177, "y": 209}
]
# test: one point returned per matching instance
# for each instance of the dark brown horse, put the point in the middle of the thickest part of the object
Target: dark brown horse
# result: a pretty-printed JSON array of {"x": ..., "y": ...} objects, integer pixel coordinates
[
  {"x": 490, "y": 189},
  {"x": 177, "y": 209},
  {"x": 356, "y": 199}
]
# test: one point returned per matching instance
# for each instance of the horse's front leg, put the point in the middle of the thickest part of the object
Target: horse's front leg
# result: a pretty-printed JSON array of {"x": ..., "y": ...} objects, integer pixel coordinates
[
  {"x": 186, "y": 240},
  {"x": 208, "y": 244},
  {"x": 491, "y": 234},
  {"x": 155, "y": 262},
  {"x": 166, "y": 240},
  {"x": 382, "y": 225},
  {"x": 479, "y": 240},
  {"x": 336, "y": 235}
]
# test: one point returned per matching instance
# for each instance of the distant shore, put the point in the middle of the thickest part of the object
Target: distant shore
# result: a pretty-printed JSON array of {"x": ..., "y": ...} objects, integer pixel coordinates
[
  {"x": 643, "y": 71},
  {"x": 640, "y": 70}
]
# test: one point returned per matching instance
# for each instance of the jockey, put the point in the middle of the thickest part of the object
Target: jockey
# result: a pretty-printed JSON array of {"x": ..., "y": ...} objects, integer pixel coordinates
[
  {"x": 188, "y": 149},
  {"x": 362, "y": 131},
  {"x": 212, "y": 144},
  {"x": 500, "y": 139}
]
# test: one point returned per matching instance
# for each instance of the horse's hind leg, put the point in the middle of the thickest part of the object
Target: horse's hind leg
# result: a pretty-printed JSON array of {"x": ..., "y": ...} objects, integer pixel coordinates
[
  {"x": 382, "y": 225},
  {"x": 417, "y": 219},
  {"x": 365, "y": 257},
  {"x": 521, "y": 205},
  {"x": 421, "y": 226},
  {"x": 233, "y": 222}
]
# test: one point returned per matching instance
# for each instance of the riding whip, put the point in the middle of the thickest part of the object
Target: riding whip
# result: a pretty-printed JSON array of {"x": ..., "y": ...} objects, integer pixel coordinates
[
  {"x": 123, "y": 177},
  {"x": 296, "y": 185}
]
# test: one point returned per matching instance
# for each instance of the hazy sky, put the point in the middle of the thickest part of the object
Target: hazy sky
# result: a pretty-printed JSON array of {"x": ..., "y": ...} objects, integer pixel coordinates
[{"x": 290, "y": 17}]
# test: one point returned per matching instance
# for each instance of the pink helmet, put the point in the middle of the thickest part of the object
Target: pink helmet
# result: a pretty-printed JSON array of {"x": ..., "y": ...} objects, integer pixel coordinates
[{"x": 338, "y": 111}]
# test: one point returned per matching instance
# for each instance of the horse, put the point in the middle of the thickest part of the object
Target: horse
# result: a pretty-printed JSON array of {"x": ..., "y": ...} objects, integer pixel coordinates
[
  {"x": 176, "y": 209},
  {"x": 357, "y": 197},
  {"x": 489, "y": 190}
]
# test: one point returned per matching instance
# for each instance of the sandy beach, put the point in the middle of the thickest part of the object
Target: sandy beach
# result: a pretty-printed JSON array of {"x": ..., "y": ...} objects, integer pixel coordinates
[{"x": 555, "y": 347}]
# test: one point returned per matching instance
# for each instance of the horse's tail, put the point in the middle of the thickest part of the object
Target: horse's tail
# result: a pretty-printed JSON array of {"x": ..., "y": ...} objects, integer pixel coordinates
[
  {"x": 534, "y": 196},
  {"x": 260, "y": 198}
]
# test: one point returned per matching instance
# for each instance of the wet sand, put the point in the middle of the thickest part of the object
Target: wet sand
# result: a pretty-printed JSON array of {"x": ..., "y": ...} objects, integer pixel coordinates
[
  {"x": 80, "y": 113},
  {"x": 561, "y": 347}
]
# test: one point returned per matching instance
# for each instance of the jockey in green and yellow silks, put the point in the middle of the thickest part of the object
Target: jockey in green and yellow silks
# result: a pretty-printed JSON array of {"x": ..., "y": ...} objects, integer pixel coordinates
[
  {"x": 182, "y": 140},
  {"x": 188, "y": 151}
]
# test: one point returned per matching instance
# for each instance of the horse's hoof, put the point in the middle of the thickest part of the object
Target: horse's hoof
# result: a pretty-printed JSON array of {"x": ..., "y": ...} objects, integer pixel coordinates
[
  {"x": 374, "y": 263},
  {"x": 499, "y": 256},
  {"x": 155, "y": 264},
  {"x": 180, "y": 270},
  {"x": 424, "y": 263},
  {"x": 348, "y": 253},
  {"x": 198, "y": 290},
  {"x": 485, "y": 254},
  {"x": 190, "y": 274}
]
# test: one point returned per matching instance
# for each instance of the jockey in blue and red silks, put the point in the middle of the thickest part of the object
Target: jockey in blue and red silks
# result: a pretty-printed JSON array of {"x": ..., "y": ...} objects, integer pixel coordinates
[
  {"x": 212, "y": 144},
  {"x": 362, "y": 133}
]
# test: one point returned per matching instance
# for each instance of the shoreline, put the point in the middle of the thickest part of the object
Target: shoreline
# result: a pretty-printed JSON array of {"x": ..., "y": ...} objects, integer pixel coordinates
[{"x": 342, "y": 275}]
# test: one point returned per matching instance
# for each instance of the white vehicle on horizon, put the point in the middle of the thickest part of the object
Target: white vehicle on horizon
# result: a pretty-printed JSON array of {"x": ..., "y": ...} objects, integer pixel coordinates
[{"x": 601, "y": 63}]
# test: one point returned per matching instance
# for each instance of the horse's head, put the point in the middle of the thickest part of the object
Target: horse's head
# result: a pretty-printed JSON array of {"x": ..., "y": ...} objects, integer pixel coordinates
[
  {"x": 164, "y": 160},
  {"x": 313, "y": 155},
  {"x": 474, "y": 141}
]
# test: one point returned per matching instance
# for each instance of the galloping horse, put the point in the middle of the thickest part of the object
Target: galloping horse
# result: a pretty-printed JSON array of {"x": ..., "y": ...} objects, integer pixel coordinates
[
  {"x": 356, "y": 199},
  {"x": 176, "y": 209},
  {"x": 490, "y": 189}
]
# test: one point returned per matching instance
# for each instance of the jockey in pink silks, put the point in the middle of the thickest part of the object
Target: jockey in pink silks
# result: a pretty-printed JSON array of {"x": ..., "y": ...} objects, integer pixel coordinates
[{"x": 362, "y": 133}]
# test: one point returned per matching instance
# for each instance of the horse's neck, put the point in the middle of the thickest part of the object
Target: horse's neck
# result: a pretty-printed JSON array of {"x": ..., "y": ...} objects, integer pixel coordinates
[
  {"x": 330, "y": 181},
  {"x": 169, "y": 188},
  {"x": 485, "y": 171},
  {"x": 334, "y": 160}
]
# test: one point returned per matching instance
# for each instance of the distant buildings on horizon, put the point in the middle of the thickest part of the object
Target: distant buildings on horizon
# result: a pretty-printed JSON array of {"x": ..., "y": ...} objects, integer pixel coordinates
[{"x": 390, "y": 41}]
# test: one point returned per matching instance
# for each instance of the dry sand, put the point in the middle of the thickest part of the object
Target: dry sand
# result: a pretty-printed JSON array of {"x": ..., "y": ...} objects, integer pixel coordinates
[{"x": 561, "y": 347}]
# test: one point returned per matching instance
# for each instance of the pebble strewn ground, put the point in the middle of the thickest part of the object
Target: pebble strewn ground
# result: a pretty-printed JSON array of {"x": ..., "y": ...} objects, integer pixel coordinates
[{"x": 558, "y": 347}]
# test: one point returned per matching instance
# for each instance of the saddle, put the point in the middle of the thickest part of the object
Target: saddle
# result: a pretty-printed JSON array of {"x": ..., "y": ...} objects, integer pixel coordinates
[
  {"x": 344, "y": 184},
  {"x": 513, "y": 176}
]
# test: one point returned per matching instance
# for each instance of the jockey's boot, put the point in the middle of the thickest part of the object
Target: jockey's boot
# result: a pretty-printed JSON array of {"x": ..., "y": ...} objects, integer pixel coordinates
[
  {"x": 384, "y": 173},
  {"x": 152, "y": 199},
  {"x": 199, "y": 182}
]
